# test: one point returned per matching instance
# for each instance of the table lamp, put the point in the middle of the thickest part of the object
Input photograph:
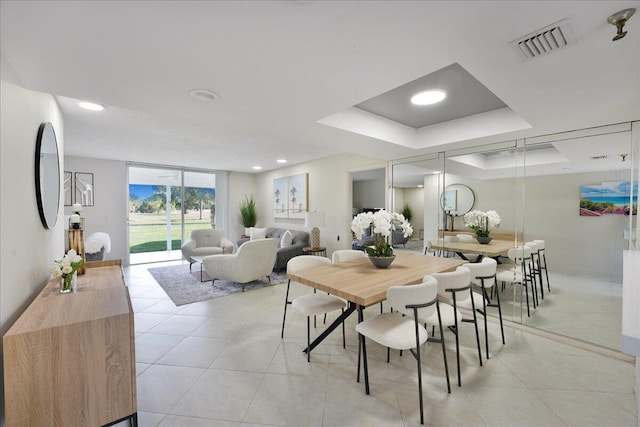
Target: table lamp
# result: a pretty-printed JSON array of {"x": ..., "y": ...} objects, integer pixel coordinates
[
  {"x": 315, "y": 220},
  {"x": 76, "y": 222}
]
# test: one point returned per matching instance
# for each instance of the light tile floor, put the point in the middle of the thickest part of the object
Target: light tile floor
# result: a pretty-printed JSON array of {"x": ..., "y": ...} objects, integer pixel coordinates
[{"x": 222, "y": 363}]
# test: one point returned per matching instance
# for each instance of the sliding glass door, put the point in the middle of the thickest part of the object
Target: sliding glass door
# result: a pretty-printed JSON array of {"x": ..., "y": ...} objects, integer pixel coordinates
[{"x": 165, "y": 204}]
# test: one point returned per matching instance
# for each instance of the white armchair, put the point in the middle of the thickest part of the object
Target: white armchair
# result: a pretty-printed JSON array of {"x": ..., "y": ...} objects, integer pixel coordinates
[
  {"x": 206, "y": 241},
  {"x": 254, "y": 260}
]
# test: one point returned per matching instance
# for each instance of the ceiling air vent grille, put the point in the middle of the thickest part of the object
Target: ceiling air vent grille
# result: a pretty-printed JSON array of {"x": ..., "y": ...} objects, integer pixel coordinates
[
  {"x": 544, "y": 41},
  {"x": 598, "y": 157}
]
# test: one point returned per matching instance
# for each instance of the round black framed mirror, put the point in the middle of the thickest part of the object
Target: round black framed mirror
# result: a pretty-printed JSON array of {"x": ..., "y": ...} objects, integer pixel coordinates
[
  {"x": 457, "y": 199},
  {"x": 47, "y": 171}
]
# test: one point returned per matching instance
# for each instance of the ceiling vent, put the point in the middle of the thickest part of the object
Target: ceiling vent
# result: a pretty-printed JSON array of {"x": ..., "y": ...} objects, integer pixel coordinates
[
  {"x": 598, "y": 157},
  {"x": 544, "y": 41}
]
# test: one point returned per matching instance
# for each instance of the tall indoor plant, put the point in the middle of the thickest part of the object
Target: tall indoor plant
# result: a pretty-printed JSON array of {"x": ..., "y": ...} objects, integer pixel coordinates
[{"x": 248, "y": 213}]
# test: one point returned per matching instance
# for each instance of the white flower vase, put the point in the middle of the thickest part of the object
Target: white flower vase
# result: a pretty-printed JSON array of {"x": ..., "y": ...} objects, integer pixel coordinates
[{"x": 68, "y": 283}]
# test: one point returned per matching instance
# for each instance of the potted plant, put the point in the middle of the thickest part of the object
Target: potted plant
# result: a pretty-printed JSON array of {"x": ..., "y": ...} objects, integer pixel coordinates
[
  {"x": 407, "y": 212},
  {"x": 381, "y": 253},
  {"x": 482, "y": 223},
  {"x": 248, "y": 214}
]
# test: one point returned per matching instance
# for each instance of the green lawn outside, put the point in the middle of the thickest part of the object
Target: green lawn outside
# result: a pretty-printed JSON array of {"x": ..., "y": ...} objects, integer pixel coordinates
[{"x": 148, "y": 232}]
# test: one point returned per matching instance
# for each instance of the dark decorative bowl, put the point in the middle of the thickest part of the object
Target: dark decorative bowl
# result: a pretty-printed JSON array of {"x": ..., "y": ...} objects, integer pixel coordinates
[{"x": 382, "y": 261}]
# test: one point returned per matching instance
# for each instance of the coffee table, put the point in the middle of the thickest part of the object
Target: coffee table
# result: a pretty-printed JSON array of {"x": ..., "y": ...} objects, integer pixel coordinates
[{"x": 197, "y": 259}]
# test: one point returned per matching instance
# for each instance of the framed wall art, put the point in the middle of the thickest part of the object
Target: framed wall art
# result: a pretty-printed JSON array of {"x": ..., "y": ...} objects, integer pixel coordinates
[
  {"x": 291, "y": 196},
  {"x": 84, "y": 193},
  {"x": 68, "y": 188},
  {"x": 280, "y": 198}
]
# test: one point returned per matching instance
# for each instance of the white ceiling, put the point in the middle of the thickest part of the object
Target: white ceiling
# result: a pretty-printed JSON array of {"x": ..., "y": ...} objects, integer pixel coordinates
[{"x": 282, "y": 66}]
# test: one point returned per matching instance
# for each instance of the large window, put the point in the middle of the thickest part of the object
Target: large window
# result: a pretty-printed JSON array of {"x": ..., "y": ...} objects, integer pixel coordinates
[{"x": 165, "y": 204}]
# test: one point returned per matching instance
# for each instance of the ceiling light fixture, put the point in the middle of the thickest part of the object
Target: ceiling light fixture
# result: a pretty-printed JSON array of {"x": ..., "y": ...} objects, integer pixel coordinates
[
  {"x": 257, "y": 167},
  {"x": 619, "y": 19},
  {"x": 428, "y": 97},
  {"x": 204, "y": 95},
  {"x": 90, "y": 106},
  {"x": 281, "y": 160}
]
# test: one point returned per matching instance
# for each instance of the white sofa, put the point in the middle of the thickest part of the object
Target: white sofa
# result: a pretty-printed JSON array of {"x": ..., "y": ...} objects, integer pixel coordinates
[
  {"x": 206, "y": 241},
  {"x": 253, "y": 261}
]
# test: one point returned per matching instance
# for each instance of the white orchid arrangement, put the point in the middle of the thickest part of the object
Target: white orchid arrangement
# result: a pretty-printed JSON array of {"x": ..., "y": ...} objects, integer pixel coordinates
[
  {"x": 383, "y": 224},
  {"x": 482, "y": 222},
  {"x": 65, "y": 267}
]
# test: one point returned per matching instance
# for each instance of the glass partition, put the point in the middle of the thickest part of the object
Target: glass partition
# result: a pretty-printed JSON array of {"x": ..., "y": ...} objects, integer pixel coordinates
[
  {"x": 578, "y": 201},
  {"x": 417, "y": 185},
  {"x": 574, "y": 191}
]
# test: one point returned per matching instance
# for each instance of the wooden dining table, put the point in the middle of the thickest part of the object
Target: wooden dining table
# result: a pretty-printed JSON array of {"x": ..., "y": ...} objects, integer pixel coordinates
[
  {"x": 493, "y": 249},
  {"x": 362, "y": 284}
]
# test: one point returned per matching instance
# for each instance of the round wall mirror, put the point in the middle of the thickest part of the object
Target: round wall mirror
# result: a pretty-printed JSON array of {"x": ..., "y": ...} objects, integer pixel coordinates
[
  {"x": 47, "y": 169},
  {"x": 457, "y": 199}
]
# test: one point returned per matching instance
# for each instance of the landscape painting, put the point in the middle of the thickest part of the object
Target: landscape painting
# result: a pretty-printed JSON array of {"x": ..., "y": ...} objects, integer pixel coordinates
[{"x": 608, "y": 198}]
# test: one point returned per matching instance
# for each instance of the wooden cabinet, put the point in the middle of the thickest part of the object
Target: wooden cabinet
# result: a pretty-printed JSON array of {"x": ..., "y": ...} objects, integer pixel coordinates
[{"x": 69, "y": 360}]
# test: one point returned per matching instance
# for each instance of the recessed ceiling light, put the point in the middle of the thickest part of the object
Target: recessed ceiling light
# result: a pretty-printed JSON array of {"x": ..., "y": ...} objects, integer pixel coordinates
[
  {"x": 257, "y": 167},
  {"x": 420, "y": 186},
  {"x": 281, "y": 160},
  {"x": 428, "y": 97},
  {"x": 90, "y": 106},
  {"x": 204, "y": 95}
]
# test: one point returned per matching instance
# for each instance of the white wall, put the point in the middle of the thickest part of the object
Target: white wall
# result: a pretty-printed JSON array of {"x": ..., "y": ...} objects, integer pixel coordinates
[
  {"x": 109, "y": 213},
  {"x": 27, "y": 249},
  {"x": 369, "y": 194},
  {"x": 588, "y": 246},
  {"x": 329, "y": 192}
]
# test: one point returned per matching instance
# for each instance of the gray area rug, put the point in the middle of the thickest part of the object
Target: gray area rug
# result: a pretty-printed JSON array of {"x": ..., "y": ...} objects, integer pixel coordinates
[{"x": 184, "y": 287}]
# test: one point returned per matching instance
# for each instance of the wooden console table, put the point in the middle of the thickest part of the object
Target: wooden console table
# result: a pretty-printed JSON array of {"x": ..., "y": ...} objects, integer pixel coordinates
[{"x": 69, "y": 360}]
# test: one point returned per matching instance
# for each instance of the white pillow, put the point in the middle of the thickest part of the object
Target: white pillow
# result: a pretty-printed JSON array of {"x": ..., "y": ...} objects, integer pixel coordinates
[
  {"x": 287, "y": 239},
  {"x": 258, "y": 233}
]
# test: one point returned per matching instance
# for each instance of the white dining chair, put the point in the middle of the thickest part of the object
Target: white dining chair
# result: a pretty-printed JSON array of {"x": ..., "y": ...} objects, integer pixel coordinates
[
  {"x": 483, "y": 274},
  {"x": 403, "y": 330},
  {"x": 311, "y": 304},
  {"x": 344, "y": 255},
  {"x": 542, "y": 258},
  {"x": 455, "y": 286},
  {"x": 536, "y": 273},
  {"x": 520, "y": 273}
]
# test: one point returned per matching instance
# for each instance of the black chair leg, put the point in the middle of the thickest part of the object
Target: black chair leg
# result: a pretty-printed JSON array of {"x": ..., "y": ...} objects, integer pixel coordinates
[
  {"x": 344, "y": 341},
  {"x": 500, "y": 315},
  {"x": 308, "y": 339},
  {"x": 366, "y": 368},
  {"x": 475, "y": 321},
  {"x": 286, "y": 303},
  {"x": 546, "y": 272},
  {"x": 486, "y": 330},
  {"x": 419, "y": 376}
]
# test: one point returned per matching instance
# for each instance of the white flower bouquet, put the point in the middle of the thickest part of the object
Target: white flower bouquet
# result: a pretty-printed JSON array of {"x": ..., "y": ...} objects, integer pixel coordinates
[
  {"x": 383, "y": 223},
  {"x": 482, "y": 222},
  {"x": 65, "y": 268}
]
